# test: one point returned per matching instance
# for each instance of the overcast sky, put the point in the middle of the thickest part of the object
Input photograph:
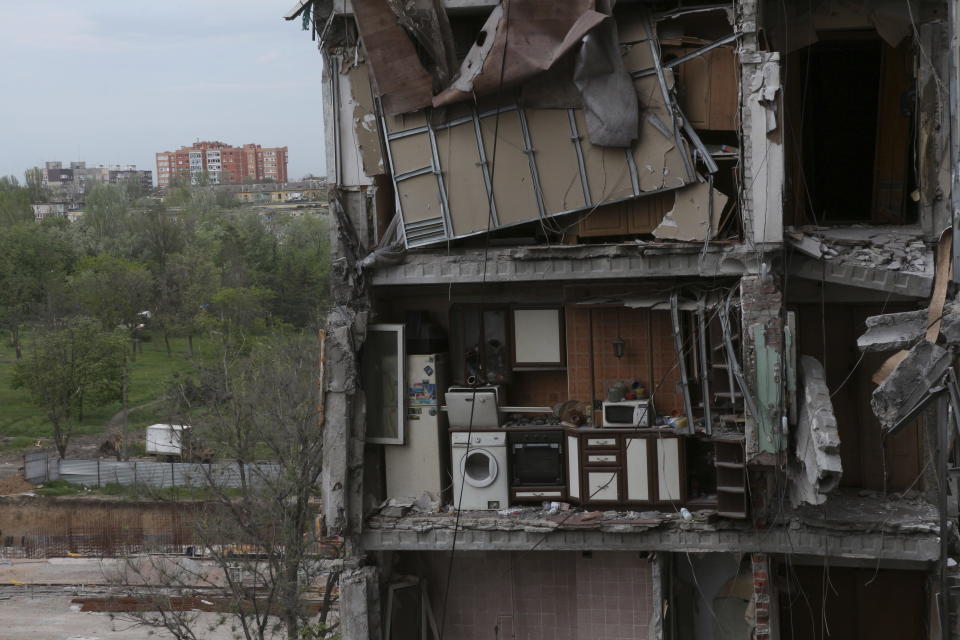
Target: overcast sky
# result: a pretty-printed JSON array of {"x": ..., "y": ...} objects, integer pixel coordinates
[{"x": 115, "y": 81}]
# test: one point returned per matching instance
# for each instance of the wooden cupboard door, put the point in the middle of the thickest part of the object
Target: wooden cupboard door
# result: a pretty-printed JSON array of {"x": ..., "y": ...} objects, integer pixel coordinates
[
  {"x": 609, "y": 220},
  {"x": 638, "y": 473},
  {"x": 892, "y": 153},
  {"x": 695, "y": 84},
  {"x": 602, "y": 485},
  {"x": 669, "y": 479},
  {"x": 538, "y": 337},
  {"x": 724, "y": 101},
  {"x": 645, "y": 214},
  {"x": 573, "y": 467}
]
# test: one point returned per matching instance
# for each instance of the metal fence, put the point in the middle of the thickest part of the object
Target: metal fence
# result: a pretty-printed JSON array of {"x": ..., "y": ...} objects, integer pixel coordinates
[{"x": 40, "y": 467}]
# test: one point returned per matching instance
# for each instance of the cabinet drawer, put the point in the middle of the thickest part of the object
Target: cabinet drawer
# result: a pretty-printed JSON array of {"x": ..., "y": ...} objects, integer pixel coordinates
[
  {"x": 596, "y": 458},
  {"x": 555, "y": 493},
  {"x": 600, "y": 443}
]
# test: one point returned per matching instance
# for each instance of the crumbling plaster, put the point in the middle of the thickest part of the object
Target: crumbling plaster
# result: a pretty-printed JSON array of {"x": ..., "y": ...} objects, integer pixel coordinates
[
  {"x": 816, "y": 471},
  {"x": 761, "y": 205},
  {"x": 761, "y": 199}
]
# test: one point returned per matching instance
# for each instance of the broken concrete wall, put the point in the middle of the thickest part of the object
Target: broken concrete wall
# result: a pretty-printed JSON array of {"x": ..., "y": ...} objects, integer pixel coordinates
[
  {"x": 344, "y": 401},
  {"x": 760, "y": 132},
  {"x": 357, "y": 134},
  {"x": 762, "y": 328},
  {"x": 920, "y": 371},
  {"x": 763, "y": 147},
  {"x": 816, "y": 470},
  {"x": 892, "y": 331},
  {"x": 360, "y": 616},
  {"x": 933, "y": 129}
]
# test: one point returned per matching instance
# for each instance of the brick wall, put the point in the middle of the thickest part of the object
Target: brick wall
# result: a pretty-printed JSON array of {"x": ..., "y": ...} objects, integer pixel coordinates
[
  {"x": 543, "y": 595},
  {"x": 649, "y": 355},
  {"x": 761, "y": 595}
]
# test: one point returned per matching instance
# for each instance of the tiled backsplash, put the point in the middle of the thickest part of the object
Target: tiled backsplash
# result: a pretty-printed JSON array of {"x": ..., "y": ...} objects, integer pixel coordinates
[
  {"x": 649, "y": 354},
  {"x": 537, "y": 388}
]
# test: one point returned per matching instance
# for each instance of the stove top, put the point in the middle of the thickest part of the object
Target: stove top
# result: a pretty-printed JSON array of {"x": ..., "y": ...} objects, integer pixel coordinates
[{"x": 516, "y": 426}]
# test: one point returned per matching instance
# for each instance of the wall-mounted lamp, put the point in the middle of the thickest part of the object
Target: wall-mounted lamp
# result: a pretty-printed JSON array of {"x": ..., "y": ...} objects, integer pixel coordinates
[{"x": 619, "y": 345}]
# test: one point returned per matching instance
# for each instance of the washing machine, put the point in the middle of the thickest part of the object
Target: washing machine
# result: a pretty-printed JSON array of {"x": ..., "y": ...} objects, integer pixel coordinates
[{"x": 480, "y": 478}]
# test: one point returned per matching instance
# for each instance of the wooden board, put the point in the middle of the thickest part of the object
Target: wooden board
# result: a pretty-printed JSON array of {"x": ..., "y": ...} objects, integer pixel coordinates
[{"x": 466, "y": 191}]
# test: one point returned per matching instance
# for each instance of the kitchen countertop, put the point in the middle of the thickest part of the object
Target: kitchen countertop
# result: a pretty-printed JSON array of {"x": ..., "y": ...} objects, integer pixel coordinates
[
  {"x": 563, "y": 427},
  {"x": 615, "y": 430},
  {"x": 515, "y": 427}
]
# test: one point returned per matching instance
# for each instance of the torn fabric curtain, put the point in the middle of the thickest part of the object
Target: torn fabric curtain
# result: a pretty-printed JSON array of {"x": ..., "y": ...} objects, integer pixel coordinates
[{"x": 520, "y": 39}]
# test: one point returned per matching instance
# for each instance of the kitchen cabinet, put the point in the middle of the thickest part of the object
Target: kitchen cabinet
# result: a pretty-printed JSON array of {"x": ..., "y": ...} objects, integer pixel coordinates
[
  {"x": 573, "y": 467},
  {"x": 730, "y": 462},
  {"x": 384, "y": 380},
  {"x": 480, "y": 345},
  {"x": 538, "y": 337},
  {"x": 630, "y": 217},
  {"x": 707, "y": 87},
  {"x": 607, "y": 467}
]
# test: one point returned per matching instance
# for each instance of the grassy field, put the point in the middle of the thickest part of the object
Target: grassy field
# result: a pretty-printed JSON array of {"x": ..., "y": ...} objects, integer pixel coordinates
[{"x": 22, "y": 423}]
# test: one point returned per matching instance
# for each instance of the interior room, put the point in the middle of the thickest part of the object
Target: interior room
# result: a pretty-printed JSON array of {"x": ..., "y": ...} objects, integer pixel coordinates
[
  {"x": 711, "y": 592},
  {"x": 582, "y": 392},
  {"x": 547, "y": 595},
  {"x": 850, "y": 104},
  {"x": 870, "y": 460},
  {"x": 820, "y": 602}
]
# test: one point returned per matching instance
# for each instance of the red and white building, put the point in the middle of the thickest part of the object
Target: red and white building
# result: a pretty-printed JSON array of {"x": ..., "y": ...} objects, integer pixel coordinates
[{"x": 223, "y": 163}]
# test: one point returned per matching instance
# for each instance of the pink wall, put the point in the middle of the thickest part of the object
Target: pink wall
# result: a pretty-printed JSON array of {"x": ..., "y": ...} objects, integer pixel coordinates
[{"x": 543, "y": 595}]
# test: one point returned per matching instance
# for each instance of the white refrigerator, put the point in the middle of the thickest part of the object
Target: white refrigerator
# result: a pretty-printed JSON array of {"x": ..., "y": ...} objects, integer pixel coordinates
[{"x": 421, "y": 464}]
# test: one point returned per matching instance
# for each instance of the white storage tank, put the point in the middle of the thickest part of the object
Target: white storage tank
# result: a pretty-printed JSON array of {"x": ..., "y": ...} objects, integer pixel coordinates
[{"x": 166, "y": 439}]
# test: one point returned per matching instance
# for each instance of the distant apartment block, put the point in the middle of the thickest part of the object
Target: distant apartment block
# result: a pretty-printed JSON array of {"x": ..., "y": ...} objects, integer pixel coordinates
[
  {"x": 70, "y": 182},
  {"x": 223, "y": 163},
  {"x": 49, "y": 210}
]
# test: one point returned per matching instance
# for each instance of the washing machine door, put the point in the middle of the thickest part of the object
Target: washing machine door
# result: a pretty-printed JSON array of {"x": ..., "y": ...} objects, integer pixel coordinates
[{"x": 479, "y": 468}]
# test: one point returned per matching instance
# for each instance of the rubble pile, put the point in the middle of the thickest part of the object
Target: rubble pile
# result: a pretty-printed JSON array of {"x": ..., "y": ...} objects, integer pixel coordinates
[{"x": 894, "y": 248}]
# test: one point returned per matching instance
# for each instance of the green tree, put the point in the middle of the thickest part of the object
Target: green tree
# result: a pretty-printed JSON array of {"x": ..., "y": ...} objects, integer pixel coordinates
[
  {"x": 69, "y": 366},
  {"x": 36, "y": 190},
  {"x": 186, "y": 288},
  {"x": 250, "y": 407},
  {"x": 34, "y": 261},
  {"x": 245, "y": 247},
  {"x": 241, "y": 311},
  {"x": 157, "y": 235},
  {"x": 113, "y": 290},
  {"x": 300, "y": 276},
  {"x": 106, "y": 214},
  {"x": 133, "y": 188},
  {"x": 14, "y": 202}
]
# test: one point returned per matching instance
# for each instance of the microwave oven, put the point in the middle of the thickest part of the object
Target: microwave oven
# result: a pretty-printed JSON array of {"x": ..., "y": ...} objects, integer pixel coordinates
[{"x": 628, "y": 413}]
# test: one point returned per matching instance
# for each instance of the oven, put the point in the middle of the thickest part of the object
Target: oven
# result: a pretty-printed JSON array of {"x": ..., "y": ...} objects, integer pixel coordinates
[{"x": 536, "y": 460}]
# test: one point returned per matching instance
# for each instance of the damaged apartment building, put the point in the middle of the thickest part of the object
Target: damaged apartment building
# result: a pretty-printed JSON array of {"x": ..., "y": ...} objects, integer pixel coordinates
[{"x": 643, "y": 318}]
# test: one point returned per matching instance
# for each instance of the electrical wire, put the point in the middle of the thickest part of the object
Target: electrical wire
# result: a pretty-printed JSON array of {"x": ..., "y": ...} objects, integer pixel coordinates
[
  {"x": 483, "y": 281},
  {"x": 684, "y": 351}
]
